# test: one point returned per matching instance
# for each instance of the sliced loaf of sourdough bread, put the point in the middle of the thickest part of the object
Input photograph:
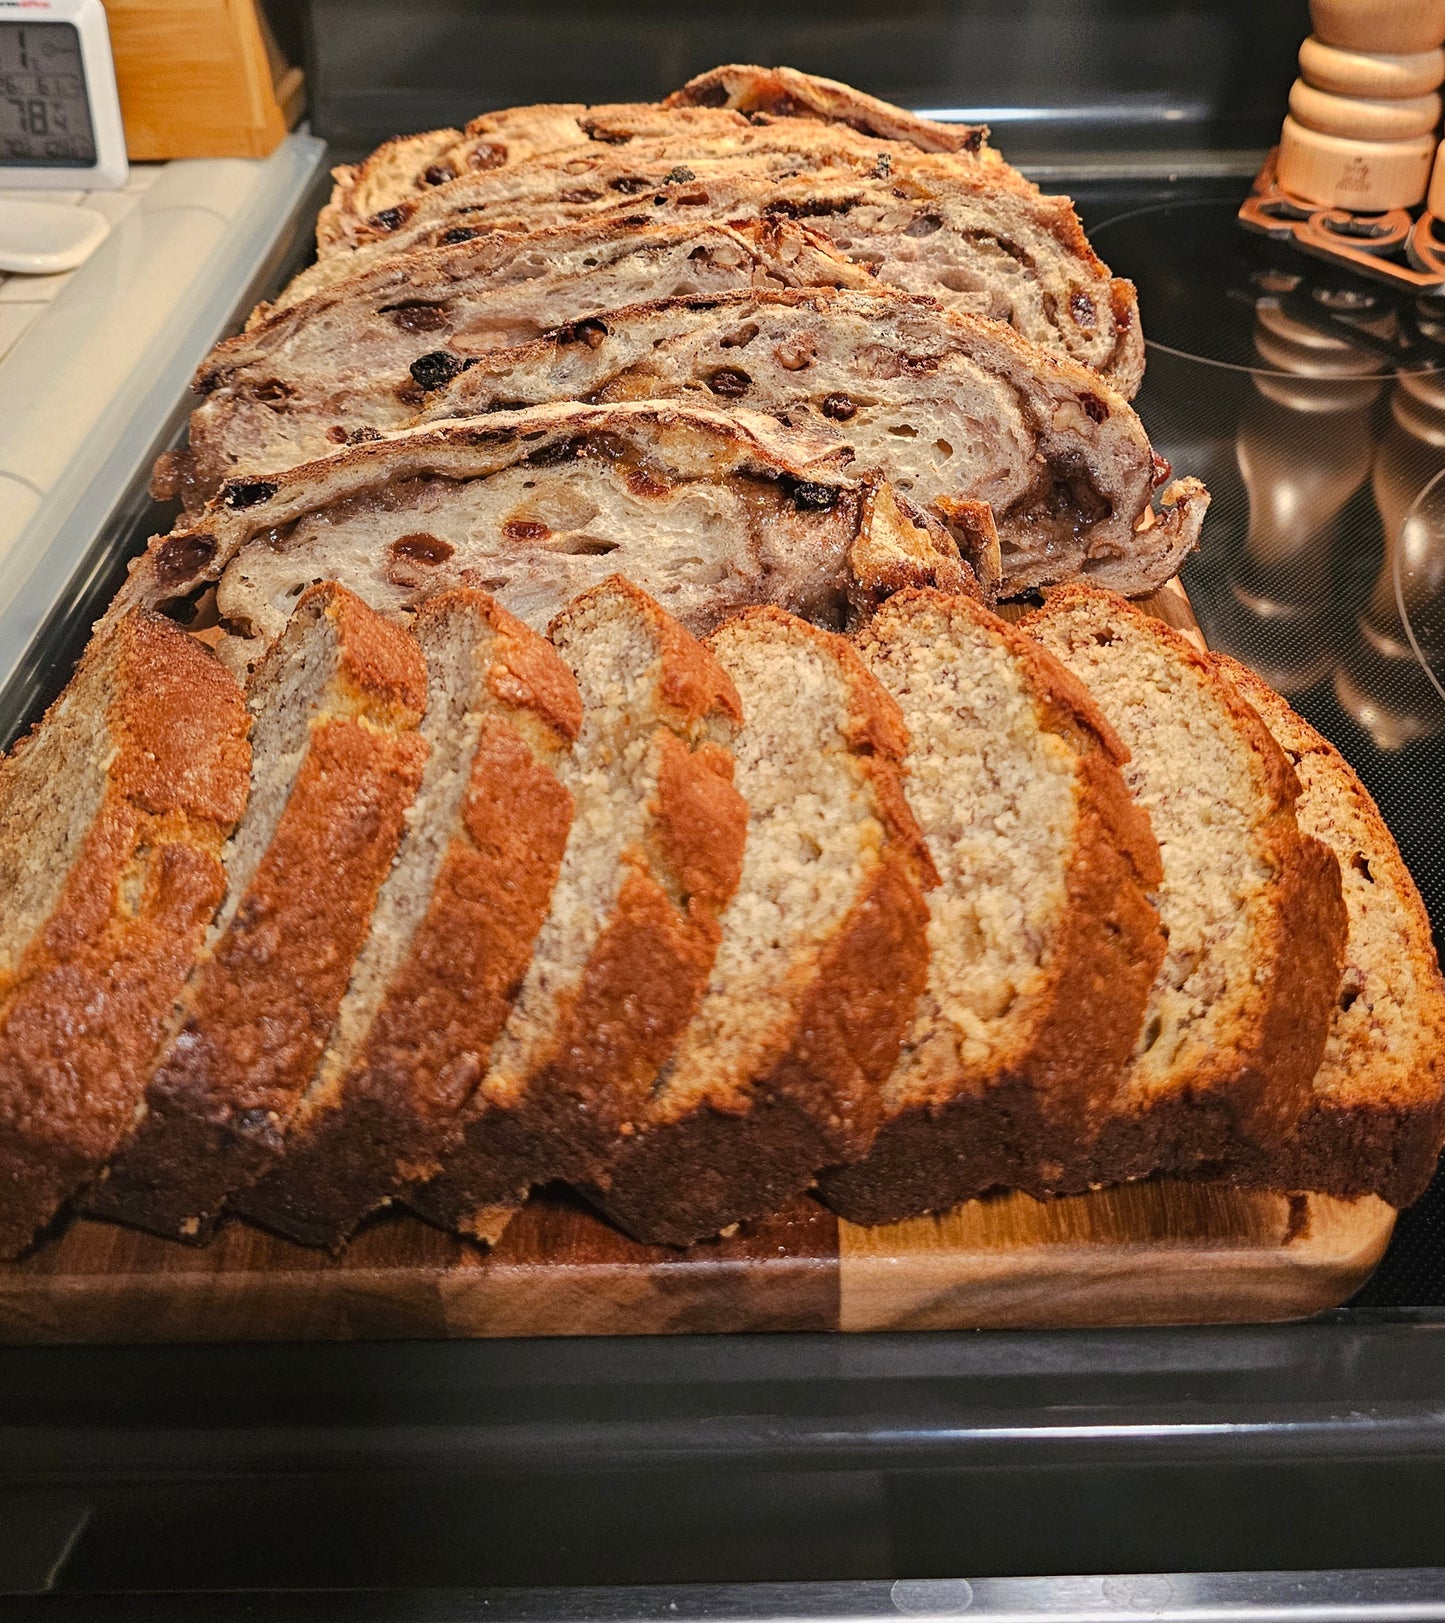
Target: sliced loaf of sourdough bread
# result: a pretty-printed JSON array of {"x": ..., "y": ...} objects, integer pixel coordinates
[
  {"x": 706, "y": 512},
  {"x": 823, "y": 951},
  {"x": 364, "y": 356},
  {"x": 453, "y": 930},
  {"x": 336, "y": 760},
  {"x": 947, "y": 407},
  {"x": 1043, "y": 944},
  {"x": 1376, "y": 1115},
  {"x": 1251, "y": 908},
  {"x": 925, "y": 224},
  {"x": 113, "y": 813},
  {"x": 653, "y": 857}
]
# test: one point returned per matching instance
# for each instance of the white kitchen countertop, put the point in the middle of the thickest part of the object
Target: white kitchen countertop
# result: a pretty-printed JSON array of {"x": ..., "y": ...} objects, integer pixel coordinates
[{"x": 94, "y": 362}]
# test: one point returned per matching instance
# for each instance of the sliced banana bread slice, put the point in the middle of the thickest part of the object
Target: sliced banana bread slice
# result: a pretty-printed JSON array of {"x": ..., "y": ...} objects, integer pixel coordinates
[
  {"x": 1043, "y": 944},
  {"x": 113, "y": 812},
  {"x": 823, "y": 952},
  {"x": 1251, "y": 908},
  {"x": 1376, "y": 1117},
  {"x": 654, "y": 855},
  {"x": 364, "y": 356},
  {"x": 336, "y": 760},
  {"x": 453, "y": 930},
  {"x": 707, "y": 512},
  {"x": 948, "y": 407}
]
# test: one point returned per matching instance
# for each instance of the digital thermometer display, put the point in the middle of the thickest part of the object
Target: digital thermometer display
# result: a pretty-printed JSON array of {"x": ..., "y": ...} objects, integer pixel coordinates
[{"x": 44, "y": 108}]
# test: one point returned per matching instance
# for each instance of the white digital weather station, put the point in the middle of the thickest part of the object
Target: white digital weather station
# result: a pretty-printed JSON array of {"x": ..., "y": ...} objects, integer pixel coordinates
[{"x": 60, "y": 129}]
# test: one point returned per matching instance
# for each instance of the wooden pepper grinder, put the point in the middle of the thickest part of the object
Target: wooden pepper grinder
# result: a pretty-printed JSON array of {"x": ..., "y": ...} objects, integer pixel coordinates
[{"x": 1364, "y": 117}]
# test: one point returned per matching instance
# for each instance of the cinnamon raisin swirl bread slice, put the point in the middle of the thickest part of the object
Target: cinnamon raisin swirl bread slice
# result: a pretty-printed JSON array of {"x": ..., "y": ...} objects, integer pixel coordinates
[
  {"x": 949, "y": 408},
  {"x": 1376, "y": 1114},
  {"x": 707, "y": 512},
  {"x": 624, "y": 956},
  {"x": 364, "y": 356},
  {"x": 1043, "y": 944},
  {"x": 1251, "y": 907},
  {"x": 113, "y": 813},
  {"x": 822, "y": 958},
  {"x": 336, "y": 759},
  {"x": 923, "y": 223},
  {"x": 453, "y": 930}
]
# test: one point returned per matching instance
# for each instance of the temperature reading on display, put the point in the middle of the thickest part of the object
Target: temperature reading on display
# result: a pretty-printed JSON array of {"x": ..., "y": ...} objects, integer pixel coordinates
[{"x": 44, "y": 110}]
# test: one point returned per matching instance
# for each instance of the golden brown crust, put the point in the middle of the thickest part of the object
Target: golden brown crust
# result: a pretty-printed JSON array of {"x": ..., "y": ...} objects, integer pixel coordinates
[
  {"x": 260, "y": 1008},
  {"x": 1018, "y": 1127},
  {"x": 85, "y": 1009}
]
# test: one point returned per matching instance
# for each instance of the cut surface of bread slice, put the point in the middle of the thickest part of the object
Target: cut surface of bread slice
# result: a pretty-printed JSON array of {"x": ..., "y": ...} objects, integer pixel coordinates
[
  {"x": 113, "y": 812},
  {"x": 787, "y": 93},
  {"x": 947, "y": 407},
  {"x": 624, "y": 955},
  {"x": 1251, "y": 908},
  {"x": 365, "y": 355},
  {"x": 823, "y": 951},
  {"x": 1043, "y": 944},
  {"x": 336, "y": 759},
  {"x": 706, "y": 512},
  {"x": 925, "y": 224},
  {"x": 1376, "y": 1116},
  {"x": 453, "y": 930},
  {"x": 369, "y": 197}
]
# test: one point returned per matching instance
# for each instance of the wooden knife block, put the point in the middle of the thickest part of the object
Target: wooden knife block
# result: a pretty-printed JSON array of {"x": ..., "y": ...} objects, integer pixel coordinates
[{"x": 200, "y": 79}]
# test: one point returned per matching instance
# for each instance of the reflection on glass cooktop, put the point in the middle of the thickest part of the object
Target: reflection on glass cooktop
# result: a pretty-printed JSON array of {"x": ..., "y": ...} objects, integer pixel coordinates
[{"x": 1312, "y": 403}]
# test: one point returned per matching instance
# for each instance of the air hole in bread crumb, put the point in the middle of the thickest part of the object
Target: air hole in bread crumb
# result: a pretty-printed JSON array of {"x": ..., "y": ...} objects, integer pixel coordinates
[
  {"x": 1347, "y": 998},
  {"x": 1361, "y": 864},
  {"x": 1152, "y": 1033},
  {"x": 1104, "y": 638},
  {"x": 586, "y": 546},
  {"x": 944, "y": 449},
  {"x": 740, "y": 337},
  {"x": 904, "y": 431}
]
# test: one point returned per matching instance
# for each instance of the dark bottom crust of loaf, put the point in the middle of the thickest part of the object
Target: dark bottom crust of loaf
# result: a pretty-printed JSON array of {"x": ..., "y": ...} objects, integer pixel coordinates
[
  {"x": 693, "y": 1178},
  {"x": 175, "y": 1173},
  {"x": 1350, "y": 1152},
  {"x": 931, "y": 1157},
  {"x": 340, "y": 1170},
  {"x": 35, "y": 1181},
  {"x": 496, "y": 1163}
]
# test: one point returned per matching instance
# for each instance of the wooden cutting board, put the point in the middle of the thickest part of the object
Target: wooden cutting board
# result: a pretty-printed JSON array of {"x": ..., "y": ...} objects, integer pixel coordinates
[{"x": 1151, "y": 1253}]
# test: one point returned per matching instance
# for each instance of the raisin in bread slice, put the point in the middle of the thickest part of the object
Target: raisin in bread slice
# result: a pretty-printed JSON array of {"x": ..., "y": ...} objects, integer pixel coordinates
[
  {"x": 949, "y": 408},
  {"x": 706, "y": 512},
  {"x": 336, "y": 759},
  {"x": 363, "y": 357},
  {"x": 1043, "y": 944},
  {"x": 924, "y": 224},
  {"x": 113, "y": 813},
  {"x": 624, "y": 956},
  {"x": 1251, "y": 908},
  {"x": 1376, "y": 1116},
  {"x": 823, "y": 951},
  {"x": 453, "y": 930}
]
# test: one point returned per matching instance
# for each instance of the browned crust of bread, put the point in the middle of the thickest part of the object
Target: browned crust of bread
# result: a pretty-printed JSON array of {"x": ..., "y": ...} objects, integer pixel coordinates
[
  {"x": 1258, "y": 1086},
  {"x": 396, "y": 1111},
  {"x": 220, "y": 1099},
  {"x": 86, "y": 1006},
  {"x": 786, "y": 93},
  {"x": 1386, "y": 1145},
  {"x": 674, "y": 1180},
  {"x": 644, "y": 977},
  {"x": 1019, "y": 1130}
]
